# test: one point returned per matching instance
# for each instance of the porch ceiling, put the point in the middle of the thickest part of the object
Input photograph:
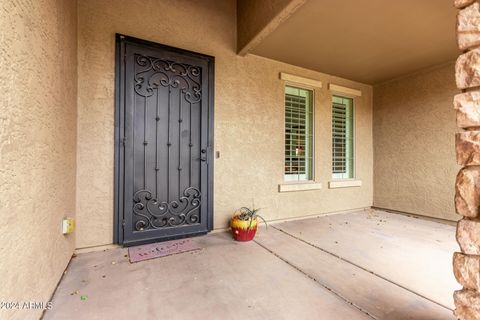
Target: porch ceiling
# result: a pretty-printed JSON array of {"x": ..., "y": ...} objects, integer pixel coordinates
[{"x": 369, "y": 41}]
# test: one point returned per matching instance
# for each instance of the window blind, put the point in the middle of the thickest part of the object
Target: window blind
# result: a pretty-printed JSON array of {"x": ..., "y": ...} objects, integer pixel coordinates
[
  {"x": 298, "y": 134},
  {"x": 342, "y": 138}
]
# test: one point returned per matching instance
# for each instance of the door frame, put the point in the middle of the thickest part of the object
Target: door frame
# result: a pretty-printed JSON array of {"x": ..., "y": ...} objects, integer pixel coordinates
[{"x": 119, "y": 170}]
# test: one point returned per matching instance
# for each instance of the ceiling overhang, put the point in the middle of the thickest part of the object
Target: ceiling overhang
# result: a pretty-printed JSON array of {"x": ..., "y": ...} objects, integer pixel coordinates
[{"x": 369, "y": 41}]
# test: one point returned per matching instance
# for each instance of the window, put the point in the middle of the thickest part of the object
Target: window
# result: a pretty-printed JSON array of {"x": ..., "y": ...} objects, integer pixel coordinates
[
  {"x": 298, "y": 134},
  {"x": 342, "y": 138}
]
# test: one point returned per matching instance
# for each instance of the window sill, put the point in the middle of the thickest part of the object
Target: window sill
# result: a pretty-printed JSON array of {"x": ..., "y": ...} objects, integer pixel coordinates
[
  {"x": 344, "y": 184},
  {"x": 299, "y": 186}
]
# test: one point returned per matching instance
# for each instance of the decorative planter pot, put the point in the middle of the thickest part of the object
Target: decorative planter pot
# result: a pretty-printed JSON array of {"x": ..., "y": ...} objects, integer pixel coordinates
[{"x": 243, "y": 230}]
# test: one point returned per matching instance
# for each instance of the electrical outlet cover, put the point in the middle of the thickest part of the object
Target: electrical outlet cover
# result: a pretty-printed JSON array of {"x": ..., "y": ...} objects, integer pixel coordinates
[{"x": 68, "y": 225}]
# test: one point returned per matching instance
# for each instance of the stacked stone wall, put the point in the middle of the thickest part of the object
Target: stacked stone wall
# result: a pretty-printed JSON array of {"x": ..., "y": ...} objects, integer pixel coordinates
[{"x": 466, "y": 263}]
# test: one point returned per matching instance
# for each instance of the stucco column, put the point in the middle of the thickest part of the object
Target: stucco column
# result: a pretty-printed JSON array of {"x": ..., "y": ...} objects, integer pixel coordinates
[{"x": 466, "y": 264}]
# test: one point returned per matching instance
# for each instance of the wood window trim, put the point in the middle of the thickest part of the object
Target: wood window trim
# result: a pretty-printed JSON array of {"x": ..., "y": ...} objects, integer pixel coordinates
[
  {"x": 334, "y": 184},
  {"x": 350, "y": 92},
  {"x": 299, "y": 186},
  {"x": 302, "y": 81}
]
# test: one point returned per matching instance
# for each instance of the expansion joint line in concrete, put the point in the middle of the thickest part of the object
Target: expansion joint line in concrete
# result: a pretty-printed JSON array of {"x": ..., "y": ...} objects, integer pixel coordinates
[
  {"x": 360, "y": 267},
  {"x": 316, "y": 280}
]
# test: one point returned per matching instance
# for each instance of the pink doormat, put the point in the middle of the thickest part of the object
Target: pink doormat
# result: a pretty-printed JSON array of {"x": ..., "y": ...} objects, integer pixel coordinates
[{"x": 160, "y": 249}]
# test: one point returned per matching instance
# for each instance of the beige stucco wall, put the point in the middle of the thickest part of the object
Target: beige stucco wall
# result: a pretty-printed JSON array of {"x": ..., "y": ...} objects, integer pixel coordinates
[
  {"x": 249, "y": 115},
  {"x": 414, "y": 146},
  {"x": 37, "y": 147}
]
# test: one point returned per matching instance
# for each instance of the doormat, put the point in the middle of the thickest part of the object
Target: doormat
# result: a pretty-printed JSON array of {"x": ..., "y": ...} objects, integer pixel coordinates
[{"x": 160, "y": 249}]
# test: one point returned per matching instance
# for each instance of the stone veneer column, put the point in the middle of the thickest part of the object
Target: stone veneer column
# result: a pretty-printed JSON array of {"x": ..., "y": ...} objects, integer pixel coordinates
[{"x": 466, "y": 264}]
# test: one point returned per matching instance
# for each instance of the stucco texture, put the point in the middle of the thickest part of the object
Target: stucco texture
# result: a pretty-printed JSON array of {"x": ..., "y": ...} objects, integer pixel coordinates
[
  {"x": 414, "y": 152},
  {"x": 37, "y": 148},
  {"x": 249, "y": 115}
]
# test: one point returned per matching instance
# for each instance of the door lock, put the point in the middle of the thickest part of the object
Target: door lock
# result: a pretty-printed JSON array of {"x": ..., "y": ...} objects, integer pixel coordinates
[{"x": 203, "y": 156}]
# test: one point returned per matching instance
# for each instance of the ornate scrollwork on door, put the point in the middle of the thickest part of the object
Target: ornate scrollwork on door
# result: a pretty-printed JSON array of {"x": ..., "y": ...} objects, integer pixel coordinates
[
  {"x": 154, "y": 72},
  {"x": 153, "y": 214}
]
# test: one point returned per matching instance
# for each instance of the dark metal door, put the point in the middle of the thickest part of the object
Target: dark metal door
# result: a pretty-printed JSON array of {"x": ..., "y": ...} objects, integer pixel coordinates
[{"x": 165, "y": 129}]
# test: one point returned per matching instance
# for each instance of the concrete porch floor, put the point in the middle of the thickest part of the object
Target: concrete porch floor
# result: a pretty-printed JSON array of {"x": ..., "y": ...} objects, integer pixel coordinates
[{"x": 361, "y": 265}]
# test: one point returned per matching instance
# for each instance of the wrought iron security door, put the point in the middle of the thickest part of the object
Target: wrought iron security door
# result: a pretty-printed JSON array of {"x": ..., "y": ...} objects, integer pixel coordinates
[{"x": 165, "y": 126}]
